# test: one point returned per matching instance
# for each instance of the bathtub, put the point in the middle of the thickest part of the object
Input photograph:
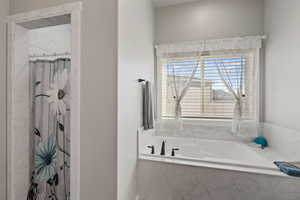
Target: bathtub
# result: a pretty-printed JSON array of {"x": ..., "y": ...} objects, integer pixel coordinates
[{"x": 227, "y": 155}]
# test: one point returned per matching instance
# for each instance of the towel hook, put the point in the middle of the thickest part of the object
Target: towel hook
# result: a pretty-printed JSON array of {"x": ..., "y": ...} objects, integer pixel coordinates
[{"x": 141, "y": 80}]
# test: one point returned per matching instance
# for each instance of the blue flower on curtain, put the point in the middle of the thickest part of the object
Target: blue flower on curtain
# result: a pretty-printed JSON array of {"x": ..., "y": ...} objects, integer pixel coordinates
[{"x": 45, "y": 159}]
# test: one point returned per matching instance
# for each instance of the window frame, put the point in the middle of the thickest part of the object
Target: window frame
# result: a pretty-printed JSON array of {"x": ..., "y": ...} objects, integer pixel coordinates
[{"x": 258, "y": 91}]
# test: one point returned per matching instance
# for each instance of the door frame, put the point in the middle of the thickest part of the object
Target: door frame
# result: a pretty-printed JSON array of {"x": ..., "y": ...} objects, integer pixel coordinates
[
  {"x": 3, "y": 138},
  {"x": 74, "y": 10}
]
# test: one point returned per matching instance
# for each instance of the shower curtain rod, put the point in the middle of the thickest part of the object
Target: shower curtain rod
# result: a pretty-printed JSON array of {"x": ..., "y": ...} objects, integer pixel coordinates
[{"x": 50, "y": 55}]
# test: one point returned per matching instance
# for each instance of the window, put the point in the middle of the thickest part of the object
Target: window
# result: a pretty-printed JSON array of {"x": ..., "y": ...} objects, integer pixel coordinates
[{"x": 207, "y": 95}]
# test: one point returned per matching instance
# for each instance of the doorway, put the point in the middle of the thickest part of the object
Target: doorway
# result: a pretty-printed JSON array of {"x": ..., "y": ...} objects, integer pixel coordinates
[{"x": 43, "y": 102}]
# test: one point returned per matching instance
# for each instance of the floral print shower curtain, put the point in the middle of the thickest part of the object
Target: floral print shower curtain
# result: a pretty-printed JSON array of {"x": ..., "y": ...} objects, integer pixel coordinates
[{"x": 50, "y": 130}]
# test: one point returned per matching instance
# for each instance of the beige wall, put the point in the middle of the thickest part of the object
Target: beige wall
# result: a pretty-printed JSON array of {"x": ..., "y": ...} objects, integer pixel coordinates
[
  {"x": 282, "y": 95},
  {"x": 99, "y": 94},
  {"x": 208, "y": 19},
  {"x": 135, "y": 60},
  {"x": 4, "y": 9}
]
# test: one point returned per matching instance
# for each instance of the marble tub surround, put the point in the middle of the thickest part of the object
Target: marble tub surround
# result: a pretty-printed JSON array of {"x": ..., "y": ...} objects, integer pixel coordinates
[
  {"x": 145, "y": 138},
  {"x": 228, "y": 155},
  {"x": 272, "y": 170},
  {"x": 166, "y": 178},
  {"x": 218, "y": 129},
  {"x": 283, "y": 140},
  {"x": 193, "y": 128},
  {"x": 162, "y": 181}
]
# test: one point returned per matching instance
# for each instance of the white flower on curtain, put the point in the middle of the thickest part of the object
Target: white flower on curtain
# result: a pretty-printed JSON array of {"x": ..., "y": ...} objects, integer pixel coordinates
[{"x": 57, "y": 94}]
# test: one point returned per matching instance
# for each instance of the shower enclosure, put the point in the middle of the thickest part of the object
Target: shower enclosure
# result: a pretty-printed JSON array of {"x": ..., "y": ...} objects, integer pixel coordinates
[
  {"x": 49, "y": 141},
  {"x": 43, "y": 118}
]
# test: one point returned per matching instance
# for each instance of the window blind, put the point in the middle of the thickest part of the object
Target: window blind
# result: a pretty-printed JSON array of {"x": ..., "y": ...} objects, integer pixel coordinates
[{"x": 207, "y": 95}]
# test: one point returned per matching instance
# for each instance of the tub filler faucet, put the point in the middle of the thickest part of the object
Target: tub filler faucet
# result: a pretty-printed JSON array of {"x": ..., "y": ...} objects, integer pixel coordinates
[{"x": 163, "y": 148}]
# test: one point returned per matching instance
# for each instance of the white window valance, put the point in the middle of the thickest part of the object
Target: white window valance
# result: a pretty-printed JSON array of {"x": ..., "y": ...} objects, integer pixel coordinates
[{"x": 250, "y": 42}]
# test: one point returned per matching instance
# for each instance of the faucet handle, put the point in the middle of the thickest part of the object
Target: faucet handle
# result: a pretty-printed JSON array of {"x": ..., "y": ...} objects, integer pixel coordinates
[
  {"x": 152, "y": 148},
  {"x": 173, "y": 151}
]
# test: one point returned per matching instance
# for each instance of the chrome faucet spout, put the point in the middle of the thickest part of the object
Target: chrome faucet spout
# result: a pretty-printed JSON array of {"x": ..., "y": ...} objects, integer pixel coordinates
[{"x": 163, "y": 148}]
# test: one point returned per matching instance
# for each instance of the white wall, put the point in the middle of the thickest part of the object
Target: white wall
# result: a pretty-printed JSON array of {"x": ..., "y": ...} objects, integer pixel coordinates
[
  {"x": 282, "y": 95},
  {"x": 160, "y": 3},
  {"x": 208, "y": 19},
  {"x": 135, "y": 61},
  {"x": 4, "y": 9},
  {"x": 19, "y": 137},
  {"x": 50, "y": 40},
  {"x": 98, "y": 94}
]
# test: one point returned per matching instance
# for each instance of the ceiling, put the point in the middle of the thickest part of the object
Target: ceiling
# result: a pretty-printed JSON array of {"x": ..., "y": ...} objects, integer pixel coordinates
[{"x": 160, "y": 3}]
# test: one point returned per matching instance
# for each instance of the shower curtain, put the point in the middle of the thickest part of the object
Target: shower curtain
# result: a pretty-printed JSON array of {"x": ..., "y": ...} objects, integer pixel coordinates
[{"x": 50, "y": 129}]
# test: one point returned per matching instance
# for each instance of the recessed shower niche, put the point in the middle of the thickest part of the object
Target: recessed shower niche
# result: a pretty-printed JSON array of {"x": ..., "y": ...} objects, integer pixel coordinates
[{"x": 43, "y": 104}]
